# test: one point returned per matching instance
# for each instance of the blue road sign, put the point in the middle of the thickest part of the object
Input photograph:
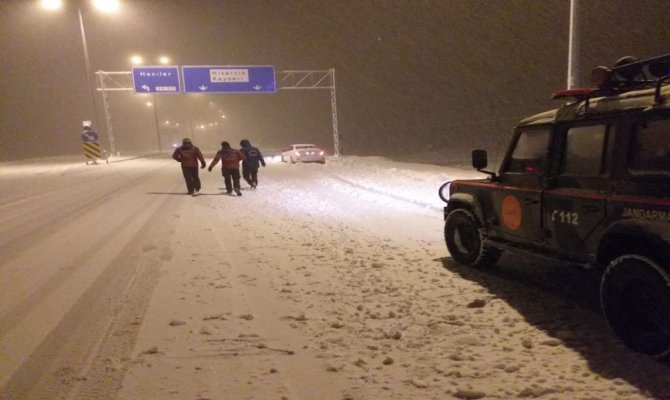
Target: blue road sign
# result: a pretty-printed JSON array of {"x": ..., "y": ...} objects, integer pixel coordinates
[
  {"x": 156, "y": 80},
  {"x": 229, "y": 79}
]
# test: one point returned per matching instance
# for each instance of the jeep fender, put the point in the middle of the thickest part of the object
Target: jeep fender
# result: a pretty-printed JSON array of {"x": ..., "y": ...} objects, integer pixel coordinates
[
  {"x": 467, "y": 200},
  {"x": 650, "y": 238}
]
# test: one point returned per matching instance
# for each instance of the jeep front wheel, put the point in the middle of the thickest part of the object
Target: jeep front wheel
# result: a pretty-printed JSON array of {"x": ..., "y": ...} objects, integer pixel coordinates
[
  {"x": 635, "y": 298},
  {"x": 464, "y": 240}
]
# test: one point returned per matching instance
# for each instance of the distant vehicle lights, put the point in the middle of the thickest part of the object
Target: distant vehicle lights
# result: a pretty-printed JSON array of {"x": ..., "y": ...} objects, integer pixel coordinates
[{"x": 303, "y": 153}]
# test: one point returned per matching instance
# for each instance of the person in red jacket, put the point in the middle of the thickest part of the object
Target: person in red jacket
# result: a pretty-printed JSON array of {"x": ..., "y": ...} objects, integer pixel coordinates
[
  {"x": 230, "y": 166},
  {"x": 189, "y": 155}
]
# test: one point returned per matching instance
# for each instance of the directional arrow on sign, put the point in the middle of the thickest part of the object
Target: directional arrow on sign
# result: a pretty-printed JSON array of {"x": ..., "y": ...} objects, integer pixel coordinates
[
  {"x": 258, "y": 87},
  {"x": 202, "y": 87},
  {"x": 146, "y": 87}
]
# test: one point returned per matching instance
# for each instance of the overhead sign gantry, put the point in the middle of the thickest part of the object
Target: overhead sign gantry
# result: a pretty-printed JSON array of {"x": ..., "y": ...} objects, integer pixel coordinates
[
  {"x": 204, "y": 79},
  {"x": 215, "y": 79}
]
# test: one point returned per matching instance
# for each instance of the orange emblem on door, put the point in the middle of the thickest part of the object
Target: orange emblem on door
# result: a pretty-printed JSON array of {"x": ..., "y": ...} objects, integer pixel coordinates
[{"x": 511, "y": 212}]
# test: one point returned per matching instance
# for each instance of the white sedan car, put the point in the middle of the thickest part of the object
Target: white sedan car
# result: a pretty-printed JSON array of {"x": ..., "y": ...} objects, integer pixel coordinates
[{"x": 303, "y": 153}]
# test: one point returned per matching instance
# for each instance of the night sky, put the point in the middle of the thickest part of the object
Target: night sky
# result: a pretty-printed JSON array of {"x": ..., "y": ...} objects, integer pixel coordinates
[{"x": 416, "y": 79}]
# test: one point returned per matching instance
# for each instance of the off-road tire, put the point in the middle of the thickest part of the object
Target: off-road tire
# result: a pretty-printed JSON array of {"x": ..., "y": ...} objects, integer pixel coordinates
[
  {"x": 465, "y": 240},
  {"x": 635, "y": 298}
]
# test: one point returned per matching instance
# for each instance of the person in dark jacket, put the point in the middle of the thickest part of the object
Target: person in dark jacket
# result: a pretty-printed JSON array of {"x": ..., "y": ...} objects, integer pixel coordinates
[
  {"x": 189, "y": 155},
  {"x": 253, "y": 158},
  {"x": 230, "y": 166}
]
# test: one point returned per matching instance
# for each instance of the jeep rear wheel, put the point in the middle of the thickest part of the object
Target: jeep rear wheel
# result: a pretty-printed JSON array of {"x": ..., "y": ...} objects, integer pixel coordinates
[
  {"x": 464, "y": 240},
  {"x": 635, "y": 297}
]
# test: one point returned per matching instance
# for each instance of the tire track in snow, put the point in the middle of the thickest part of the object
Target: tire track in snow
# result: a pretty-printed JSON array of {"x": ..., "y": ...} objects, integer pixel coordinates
[{"x": 83, "y": 356}]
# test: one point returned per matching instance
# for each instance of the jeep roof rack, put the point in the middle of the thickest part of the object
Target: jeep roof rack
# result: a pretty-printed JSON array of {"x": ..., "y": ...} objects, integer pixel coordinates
[{"x": 627, "y": 74}]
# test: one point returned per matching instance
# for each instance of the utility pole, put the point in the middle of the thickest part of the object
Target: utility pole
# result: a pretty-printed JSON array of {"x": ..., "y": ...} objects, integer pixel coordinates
[
  {"x": 573, "y": 46},
  {"x": 158, "y": 129}
]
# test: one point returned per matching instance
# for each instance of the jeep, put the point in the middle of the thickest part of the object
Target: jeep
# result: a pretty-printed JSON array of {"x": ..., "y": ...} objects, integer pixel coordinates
[{"x": 587, "y": 183}]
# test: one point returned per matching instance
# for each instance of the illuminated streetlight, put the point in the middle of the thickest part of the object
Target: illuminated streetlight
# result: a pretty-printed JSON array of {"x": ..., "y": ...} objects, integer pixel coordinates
[
  {"x": 52, "y": 4},
  {"x": 136, "y": 60},
  {"x": 109, "y": 6}
]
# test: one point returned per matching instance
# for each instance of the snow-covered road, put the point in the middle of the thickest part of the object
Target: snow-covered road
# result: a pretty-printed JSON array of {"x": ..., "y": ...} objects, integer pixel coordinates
[{"x": 327, "y": 282}]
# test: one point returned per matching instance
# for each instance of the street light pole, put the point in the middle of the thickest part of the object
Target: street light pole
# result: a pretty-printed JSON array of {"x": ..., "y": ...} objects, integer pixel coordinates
[
  {"x": 89, "y": 77},
  {"x": 573, "y": 46},
  {"x": 106, "y": 6},
  {"x": 138, "y": 60},
  {"x": 158, "y": 129}
]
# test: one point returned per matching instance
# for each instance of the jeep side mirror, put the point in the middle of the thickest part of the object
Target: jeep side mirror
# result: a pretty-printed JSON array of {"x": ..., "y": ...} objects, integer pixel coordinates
[{"x": 479, "y": 159}]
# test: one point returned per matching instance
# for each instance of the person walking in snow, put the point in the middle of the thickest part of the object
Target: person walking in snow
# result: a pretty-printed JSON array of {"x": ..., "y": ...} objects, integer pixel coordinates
[
  {"x": 253, "y": 158},
  {"x": 230, "y": 167},
  {"x": 189, "y": 155}
]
